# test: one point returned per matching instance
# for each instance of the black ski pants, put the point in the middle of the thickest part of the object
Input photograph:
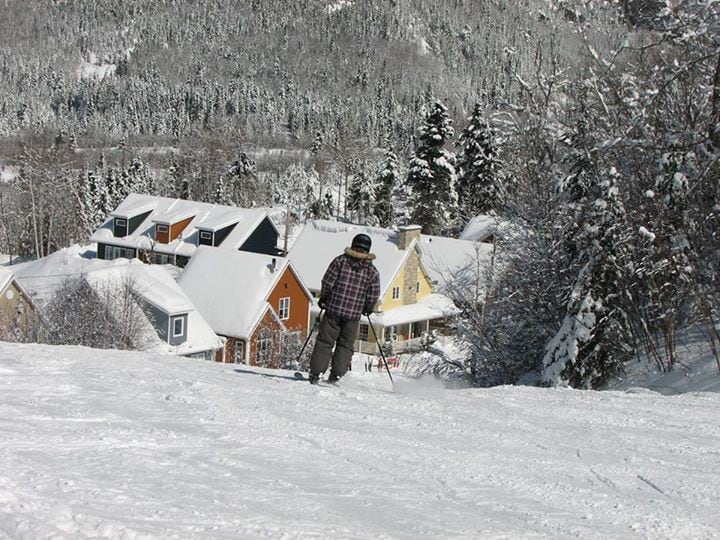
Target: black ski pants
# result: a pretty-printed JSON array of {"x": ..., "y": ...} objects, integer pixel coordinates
[{"x": 334, "y": 332}]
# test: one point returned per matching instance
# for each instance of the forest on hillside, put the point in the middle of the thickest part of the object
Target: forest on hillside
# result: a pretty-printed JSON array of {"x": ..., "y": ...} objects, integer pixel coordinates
[{"x": 591, "y": 127}]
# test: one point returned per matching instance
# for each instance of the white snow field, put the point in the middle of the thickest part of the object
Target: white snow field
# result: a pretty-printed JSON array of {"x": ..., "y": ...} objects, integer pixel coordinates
[{"x": 131, "y": 445}]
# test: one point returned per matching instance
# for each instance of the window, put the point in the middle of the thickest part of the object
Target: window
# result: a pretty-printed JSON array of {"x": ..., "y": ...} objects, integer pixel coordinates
[
  {"x": 363, "y": 333},
  {"x": 161, "y": 229},
  {"x": 206, "y": 238},
  {"x": 264, "y": 347},
  {"x": 239, "y": 351},
  {"x": 120, "y": 227},
  {"x": 178, "y": 326},
  {"x": 417, "y": 287},
  {"x": 116, "y": 252},
  {"x": 395, "y": 293},
  {"x": 284, "y": 312},
  {"x": 160, "y": 258}
]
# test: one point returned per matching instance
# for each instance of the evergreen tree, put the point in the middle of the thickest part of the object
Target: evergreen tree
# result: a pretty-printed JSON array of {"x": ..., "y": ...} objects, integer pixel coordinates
[
  {"x": 221, "y": 195},
  {"x": 480, "y": 186},
  {"x": 95, "y": 204},
  {"x": 595, "y": 337},
  {"x": 432, "y": 175},
  {"x": 387, "y": 180},
  {"x": 361, "y": 198},
  {"x": 244, "y": 187}
]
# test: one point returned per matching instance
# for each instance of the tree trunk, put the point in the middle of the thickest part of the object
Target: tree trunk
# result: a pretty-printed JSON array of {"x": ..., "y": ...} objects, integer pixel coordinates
[{"x": 715, "y": 121}]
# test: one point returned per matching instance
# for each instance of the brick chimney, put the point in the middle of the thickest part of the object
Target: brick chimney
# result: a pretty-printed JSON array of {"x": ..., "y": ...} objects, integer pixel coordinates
[{"x": 407, "y": 234}]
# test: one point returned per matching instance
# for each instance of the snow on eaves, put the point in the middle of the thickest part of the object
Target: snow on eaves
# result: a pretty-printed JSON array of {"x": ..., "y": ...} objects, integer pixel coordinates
[
  {"x": 230, "y": 287},
  {"x": 205, "y": 216}
]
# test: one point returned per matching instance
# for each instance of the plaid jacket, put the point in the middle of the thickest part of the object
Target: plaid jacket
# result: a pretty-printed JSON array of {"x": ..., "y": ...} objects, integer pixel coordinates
[{"x": 351, "y": 285}]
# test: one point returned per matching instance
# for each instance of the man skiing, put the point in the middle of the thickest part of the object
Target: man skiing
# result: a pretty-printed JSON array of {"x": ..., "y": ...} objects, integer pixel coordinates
[{"x": 350, "y": 287}]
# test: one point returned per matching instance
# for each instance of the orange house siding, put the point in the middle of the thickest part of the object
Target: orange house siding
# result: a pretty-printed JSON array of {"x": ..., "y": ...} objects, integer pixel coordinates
[
  {"x": 288, "y": 286},
  {"x": 174, "y": 231},
  {"x": 271, "y": 323},
  {"x": 179, "y": 227}
]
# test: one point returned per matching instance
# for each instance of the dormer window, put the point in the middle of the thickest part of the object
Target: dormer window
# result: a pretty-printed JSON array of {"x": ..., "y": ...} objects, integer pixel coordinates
[
  {"x": 206, "y": 238},
  {"x": 120, "y": 227},
  {"x": 178, "y": 327},
  {"x": 162, "y": 233}
]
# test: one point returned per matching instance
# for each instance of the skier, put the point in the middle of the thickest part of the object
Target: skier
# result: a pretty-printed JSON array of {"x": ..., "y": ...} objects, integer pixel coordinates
[{"x": 350, "y": 287}]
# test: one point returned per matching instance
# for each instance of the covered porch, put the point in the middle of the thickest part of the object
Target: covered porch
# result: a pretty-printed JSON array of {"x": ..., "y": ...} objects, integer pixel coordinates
[{"x": 404, "y": 328}]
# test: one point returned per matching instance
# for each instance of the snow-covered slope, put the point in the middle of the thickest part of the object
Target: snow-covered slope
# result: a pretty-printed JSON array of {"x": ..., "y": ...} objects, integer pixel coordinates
[{"x": 130, "y": 445}]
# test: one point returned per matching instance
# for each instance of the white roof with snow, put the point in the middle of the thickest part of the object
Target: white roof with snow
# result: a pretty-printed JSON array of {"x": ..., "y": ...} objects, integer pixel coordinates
[
  {"x": 154, "y": 283},
  {"x": 164, "y": 210},
  {"x": 321, "y": 241},
  {"x": 6, "y": 277},
  {"x": 230, "y": 287},
  {"x": 41, "y": 278},
  {"x": 480, "y": 228},
  {"x": 449, "y": 259},
  {"x": 433, "y": 306}
]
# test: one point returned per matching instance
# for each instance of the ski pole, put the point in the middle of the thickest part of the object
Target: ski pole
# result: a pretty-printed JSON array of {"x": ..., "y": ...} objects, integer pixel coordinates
[
  {"x": 382, "y": 354},
  {"x": 307, "y": 339}
]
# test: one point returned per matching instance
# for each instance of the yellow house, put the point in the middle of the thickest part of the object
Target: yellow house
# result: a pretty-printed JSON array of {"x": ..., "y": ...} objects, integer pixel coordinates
[
  {"x": 19, "y": 318},
  {"x": 409, "y": 306}
]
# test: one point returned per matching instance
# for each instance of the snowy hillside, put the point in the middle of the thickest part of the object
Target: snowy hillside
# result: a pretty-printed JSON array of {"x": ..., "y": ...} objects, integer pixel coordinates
[{"x": 129, "y": 445}]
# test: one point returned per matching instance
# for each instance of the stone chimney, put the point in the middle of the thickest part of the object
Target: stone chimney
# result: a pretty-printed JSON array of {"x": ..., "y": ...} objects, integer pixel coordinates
[{"x": 407, "y": 234}]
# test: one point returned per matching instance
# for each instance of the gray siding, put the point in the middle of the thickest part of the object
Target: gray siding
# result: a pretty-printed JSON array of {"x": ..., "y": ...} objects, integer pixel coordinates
[
  {"x": 136, "y": 221},
  {"x": 183, "y": 337},
  {"x": 159, "y": 320},
  {"x": 262, "y": 240}
]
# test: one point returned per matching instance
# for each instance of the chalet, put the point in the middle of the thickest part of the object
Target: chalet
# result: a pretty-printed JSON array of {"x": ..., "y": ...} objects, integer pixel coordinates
[
  {"x": 168, "y": 231},
  {"x": 258, "y": 302},
  {"x": 176, "y": 326},
  {"x": 409, "y": 305},
  {"x": 19, "y": 317},
  {"x": 160, "y": 310}
]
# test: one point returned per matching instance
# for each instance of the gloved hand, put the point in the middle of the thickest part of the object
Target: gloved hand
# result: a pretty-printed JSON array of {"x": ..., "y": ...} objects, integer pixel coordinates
[
  {"x": 321, "y": 303},
  {"x": 367, "y": 312}
]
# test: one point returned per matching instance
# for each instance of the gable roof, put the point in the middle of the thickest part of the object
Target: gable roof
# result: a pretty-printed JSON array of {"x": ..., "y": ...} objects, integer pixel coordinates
[
  {"x": 153, "y": 283},
  {"x": 164, "y": 210},
  {"x": 321, "y": 241},
  {"x": 451, "y": 259},
  {"x": 230, "y": 287},
  {"x": 6, "y": 276}
]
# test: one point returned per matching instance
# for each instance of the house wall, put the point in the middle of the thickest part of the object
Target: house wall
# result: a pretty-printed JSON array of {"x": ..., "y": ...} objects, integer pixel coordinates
[
  {"x": 158, "y": 318},
  {"x": 162, "y": 237},
  {"x": 17, "y": 315},
  {"x": 267, "y": 322},
  {"x": 182, "y": 338},
  {"x": 406, "y": 279},
  {"x": 222, "y": 234},
  {"x": 179, "y": 227},
  {"x": 262, "y": 240},
  {"x": 289, "y": 286},
  {"x": 136, "y": 221}
]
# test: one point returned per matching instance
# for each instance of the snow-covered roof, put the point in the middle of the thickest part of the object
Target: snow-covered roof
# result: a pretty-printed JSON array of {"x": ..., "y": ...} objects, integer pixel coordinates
[
  {"x": 433, "y": 306},
  {"x": 480, "y": 228},
  {"x": 154, "y": 283},
  {"x": 230, "y": 288},
  {"x": 164, "y": 210},
  {"x": 450, "y": 259},
  {"x": 321, "y": 241},
  {"x": 6, "y": 277},
  {"x": 41, "y": 278}
]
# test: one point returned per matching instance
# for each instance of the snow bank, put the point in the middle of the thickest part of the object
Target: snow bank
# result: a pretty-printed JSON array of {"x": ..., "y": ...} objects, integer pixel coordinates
[{"x": 105, "y": 443}]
